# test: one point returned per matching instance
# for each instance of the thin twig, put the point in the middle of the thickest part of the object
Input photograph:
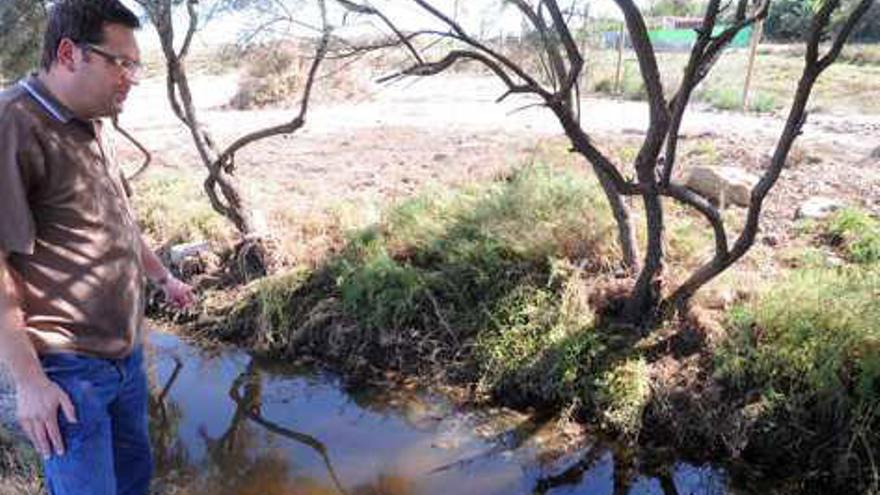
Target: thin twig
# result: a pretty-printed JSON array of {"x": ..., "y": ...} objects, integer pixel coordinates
[{"x": 148, "y": 158}]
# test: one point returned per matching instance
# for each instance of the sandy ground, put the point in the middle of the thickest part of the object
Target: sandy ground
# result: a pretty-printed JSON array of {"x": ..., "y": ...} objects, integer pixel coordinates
[{"x": 395, "y": 139}]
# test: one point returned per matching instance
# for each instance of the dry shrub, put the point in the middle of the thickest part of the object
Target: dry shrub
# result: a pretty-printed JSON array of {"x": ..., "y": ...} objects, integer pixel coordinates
[{"x": 275, "y": 75}]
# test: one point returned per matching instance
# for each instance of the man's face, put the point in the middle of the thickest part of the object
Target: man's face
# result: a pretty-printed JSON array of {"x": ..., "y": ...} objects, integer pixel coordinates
[{"x": 108, "y": 71}]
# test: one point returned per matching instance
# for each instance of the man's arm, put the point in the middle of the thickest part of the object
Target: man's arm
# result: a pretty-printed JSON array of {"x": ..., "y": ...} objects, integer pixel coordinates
[
  {"x": 38, "y": 397},
  {"x": 177, "y": 293}
]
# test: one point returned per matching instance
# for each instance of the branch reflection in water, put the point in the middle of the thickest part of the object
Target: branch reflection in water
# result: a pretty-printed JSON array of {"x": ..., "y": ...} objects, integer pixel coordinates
[
  {"x": 227, "y": 423},
  {"x": 240, "y": 467}
]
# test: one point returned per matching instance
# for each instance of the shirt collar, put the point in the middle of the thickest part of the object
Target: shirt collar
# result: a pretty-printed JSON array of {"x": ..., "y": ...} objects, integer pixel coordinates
[{"x": 50, "y": 104}]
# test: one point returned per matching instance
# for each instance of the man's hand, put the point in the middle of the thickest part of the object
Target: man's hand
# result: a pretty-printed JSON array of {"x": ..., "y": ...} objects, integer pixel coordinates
[
  {"x": 38, "y": 405},
  {"x": 178, "y": 294}
]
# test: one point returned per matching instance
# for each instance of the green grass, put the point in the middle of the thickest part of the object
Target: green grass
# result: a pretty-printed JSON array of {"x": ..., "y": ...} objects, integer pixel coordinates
[
  {"x": 489, "y": 283},
  {"x": 850, "y": 85},
  {"x": 623, "y": 392},
  {"x": 814, "y": 333},
  {"x": 860, "y": 54},
  {"x": 808, "y": 352},
  {"x": 171, "y": 207},
  {"x": 541, "y": 342},
  {"x": 471, "y": 249},
  {"x": 858, "y": 233}
]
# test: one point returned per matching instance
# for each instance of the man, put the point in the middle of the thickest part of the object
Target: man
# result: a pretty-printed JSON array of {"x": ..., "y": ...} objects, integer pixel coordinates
[{"x": 72, "y": 261}]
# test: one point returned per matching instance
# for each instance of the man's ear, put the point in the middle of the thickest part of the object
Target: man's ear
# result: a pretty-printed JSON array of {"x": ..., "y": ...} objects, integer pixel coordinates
[{"x": 66, "y": 55}]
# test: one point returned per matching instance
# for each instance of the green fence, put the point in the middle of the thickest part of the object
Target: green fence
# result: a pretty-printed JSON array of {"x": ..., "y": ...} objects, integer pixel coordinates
[{"x": 684, "y": 39}]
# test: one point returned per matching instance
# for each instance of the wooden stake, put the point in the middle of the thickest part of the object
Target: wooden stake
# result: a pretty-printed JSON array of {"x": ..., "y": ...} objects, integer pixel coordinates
[
  {"x": 620, "y": 43},
  {"x": 753, "y": 52}
]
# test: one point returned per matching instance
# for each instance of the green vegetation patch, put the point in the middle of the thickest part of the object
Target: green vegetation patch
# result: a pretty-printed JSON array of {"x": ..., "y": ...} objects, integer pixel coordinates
[
  {"x": 815, "y": 333},
  {"x": 446, "y": 257},
  {"x": 487, "y": 285},
  {"x": 858, "y": 233},
  {"x": 847, "y": 86},
  {"x": 623, "y": 393},
  {"x": 171, "y": 208},
  {"x": 808, "y": 350}
]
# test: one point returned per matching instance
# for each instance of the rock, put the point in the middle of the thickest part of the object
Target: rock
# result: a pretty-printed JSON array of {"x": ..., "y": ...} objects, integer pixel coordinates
[
  {"x": 180, "y": 252},
  {"x": 722, "y": 185},
  {"x": 770, "y": 240},
  {"x": 876, "y": 153},
  {"x": 818, "y": 208},
  {"x": 832, "y": 261}
]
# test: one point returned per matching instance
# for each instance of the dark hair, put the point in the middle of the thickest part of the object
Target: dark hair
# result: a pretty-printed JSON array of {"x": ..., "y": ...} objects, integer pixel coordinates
[{"x": 82, "y": 21}]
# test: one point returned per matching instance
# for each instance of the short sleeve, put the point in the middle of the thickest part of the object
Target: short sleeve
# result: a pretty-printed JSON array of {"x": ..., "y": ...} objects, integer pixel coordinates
[{"x": 17, "y": 228}]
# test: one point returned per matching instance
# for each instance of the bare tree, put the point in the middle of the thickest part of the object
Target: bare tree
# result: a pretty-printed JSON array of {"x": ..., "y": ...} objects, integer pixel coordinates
[
  {"x": 220, "y": 184},
  {"x": 556, "y": 87}
]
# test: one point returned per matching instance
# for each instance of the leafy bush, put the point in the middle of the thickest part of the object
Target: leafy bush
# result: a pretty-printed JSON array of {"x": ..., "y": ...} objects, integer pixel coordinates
[
  {"x": 623, "y": 393},
  {"x": 806, "y": 354},
  {"x": 788, "y": 20}
]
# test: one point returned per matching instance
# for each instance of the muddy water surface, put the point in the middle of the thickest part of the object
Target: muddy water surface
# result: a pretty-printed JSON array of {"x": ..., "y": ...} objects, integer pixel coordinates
[{"x": 227, "y": 424}]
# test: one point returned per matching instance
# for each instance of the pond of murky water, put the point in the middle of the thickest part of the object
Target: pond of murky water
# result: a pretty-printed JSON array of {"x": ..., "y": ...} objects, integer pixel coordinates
[{"x": 225, "y": 423}]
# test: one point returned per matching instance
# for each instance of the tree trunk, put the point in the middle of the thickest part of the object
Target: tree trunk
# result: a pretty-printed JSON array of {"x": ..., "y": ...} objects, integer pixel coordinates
[
  {"x": 641, "y": 308},
  {"x": 252, "y": 258},
  {"x": 581, "y": 144},
  {"x": 626, "y": 236}
]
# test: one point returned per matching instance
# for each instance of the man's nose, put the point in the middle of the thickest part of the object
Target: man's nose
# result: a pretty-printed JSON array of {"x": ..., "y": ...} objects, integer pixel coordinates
[{"x": 132, "y": 78}]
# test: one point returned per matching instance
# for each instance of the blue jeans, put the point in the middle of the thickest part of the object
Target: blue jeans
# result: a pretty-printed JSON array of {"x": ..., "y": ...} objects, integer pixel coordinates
[{"x": 107, "y": 452}]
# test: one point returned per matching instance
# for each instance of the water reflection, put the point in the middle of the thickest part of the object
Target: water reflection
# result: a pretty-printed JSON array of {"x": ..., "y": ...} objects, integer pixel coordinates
[{"x": 228, "y": 424}]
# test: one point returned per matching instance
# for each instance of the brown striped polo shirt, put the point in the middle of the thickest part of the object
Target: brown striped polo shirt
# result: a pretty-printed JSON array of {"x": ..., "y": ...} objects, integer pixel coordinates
[{"x": 67, "y": 228}]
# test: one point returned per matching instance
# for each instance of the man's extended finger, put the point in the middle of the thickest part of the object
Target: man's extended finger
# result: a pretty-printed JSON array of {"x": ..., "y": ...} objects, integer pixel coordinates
[
  {"x": 41, "y": 443},
  {"x": 57, "y": 442},
  {"x": 67, "y": 407}
]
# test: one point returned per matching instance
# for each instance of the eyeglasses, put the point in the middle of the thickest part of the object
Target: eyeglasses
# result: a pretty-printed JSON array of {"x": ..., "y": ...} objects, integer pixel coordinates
[{"x": 131, "y": 67}]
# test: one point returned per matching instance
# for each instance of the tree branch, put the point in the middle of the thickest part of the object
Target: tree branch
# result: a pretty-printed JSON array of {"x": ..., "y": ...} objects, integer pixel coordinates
[
  {"x": 192, "y": 12},
  {"x": 688, "y": 83},
  {"x": 638, "y": 33},
  {"x": 575, "y": 59},
  {"x": 558, "y": 72},
  {"x": 464, "y": 37},
  {"x": 793, "y": 127},
  {"x": 227, "y": 157},
  {"x": 847, "y": 29},
  {"x": 368, "y": 10},
  {"x": 699, "y": 203},
  {"x": 147, "y": 156}
]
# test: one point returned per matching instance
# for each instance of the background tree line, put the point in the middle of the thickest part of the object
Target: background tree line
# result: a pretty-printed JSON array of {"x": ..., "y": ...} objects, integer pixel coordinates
[{"x": 789, "y": 20}]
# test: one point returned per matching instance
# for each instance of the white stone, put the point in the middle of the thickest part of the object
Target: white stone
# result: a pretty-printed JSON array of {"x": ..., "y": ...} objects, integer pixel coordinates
[
  {"x": 180, "y": 252},
  {"x": 818, "y": 208},
  {"x": 723, "y": 185}
]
